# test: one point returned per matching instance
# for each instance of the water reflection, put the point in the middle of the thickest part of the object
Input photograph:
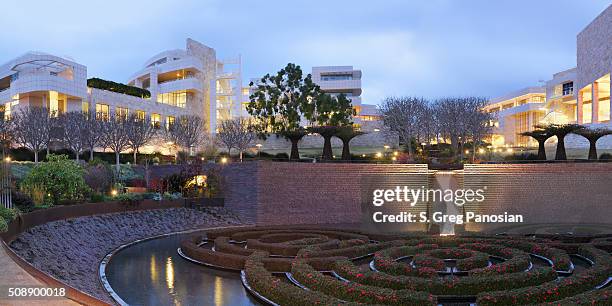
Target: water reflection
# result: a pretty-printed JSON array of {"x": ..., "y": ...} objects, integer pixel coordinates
[{"x": 137, "y": 275}]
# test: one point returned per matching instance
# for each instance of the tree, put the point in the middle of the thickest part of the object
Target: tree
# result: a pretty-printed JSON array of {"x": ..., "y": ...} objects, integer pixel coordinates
[
  {"x": 478, "y": 123},
  {"x": 331, "y": 113},
  {"x": 593, "y": 135},
  {"x": 186, "y": 132},
  {"x": 73, "y": 127},
  {"x": 115, "y": 136},
  {"x": 7, "y": 134},
  {"x": 540, "y": 136},
  {"x": 92, "y": 132},
  {"x": 561, "y": 130},
  {"x": 281, "y": 101},
  {"x": 32, "y": 128},
  {"x": 228, "y": 135},
  {"x": 246, "y": 134},
  {"x": 403, "y": 116},
  {"x": 140, "y": 131},
  {"x": 346, "y": 134}
]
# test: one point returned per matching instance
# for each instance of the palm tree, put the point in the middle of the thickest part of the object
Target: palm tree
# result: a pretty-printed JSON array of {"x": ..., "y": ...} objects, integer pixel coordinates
[
  {"x": 561, "y": 130},
  {"x": 592, "y": 135},
  {"x": 346, "y": 134},
  {"x": 540, "y": 136}
]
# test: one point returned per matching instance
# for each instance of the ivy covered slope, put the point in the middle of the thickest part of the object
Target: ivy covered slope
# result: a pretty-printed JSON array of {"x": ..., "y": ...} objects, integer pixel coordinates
[{"x": 118, "y": 87}]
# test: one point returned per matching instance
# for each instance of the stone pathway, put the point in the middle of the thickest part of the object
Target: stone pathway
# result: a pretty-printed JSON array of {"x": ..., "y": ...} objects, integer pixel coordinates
[{"x": 12, "y": 275}]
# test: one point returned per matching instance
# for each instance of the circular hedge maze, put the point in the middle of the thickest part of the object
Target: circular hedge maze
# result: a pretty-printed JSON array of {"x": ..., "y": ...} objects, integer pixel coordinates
[{"x": 302, "y": 266}]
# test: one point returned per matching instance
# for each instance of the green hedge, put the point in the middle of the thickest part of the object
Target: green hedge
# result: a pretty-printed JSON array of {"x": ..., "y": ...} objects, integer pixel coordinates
[
  {"x": 7, "y": 214},
  {"x": 118, "y": 87}
]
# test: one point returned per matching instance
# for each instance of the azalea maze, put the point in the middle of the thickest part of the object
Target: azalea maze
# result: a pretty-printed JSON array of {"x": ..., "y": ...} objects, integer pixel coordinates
[{"x": 301, "y": 266}]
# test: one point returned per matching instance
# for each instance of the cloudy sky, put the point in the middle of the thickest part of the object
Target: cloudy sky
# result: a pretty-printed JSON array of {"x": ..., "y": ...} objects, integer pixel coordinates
[{"x": 424, "y": 48}]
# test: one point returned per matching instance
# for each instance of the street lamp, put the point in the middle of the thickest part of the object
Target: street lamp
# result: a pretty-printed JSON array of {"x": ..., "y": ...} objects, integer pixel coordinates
[{"x": 259, "y": 145}]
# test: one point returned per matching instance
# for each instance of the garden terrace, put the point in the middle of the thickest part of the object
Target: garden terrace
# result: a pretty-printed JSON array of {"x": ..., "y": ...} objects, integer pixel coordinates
[{"x": 344, "y": 266}]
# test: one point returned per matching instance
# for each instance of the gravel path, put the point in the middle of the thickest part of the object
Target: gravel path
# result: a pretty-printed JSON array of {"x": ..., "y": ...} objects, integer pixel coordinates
[{"x": 72, "y": 249}]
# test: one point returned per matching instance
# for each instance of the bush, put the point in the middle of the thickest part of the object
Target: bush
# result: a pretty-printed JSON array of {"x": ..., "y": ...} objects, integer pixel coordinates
[
  {"x": 522, "y": 156},
  {"x": 8, "y": 214},
  {"x": 98, "y": 176},
  {"x": 118, "y": 88},
  {"x": 3, "y": 225},
  {"x": 605, "y": 156},
  {"x": 22, "y": 201},
  {"x": 60, "y": 178}
]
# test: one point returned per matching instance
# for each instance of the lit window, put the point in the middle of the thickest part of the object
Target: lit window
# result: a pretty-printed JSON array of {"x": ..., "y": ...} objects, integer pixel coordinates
[
  {"x": 85, "y": 107},
  {"x": 175, "y": 98},
  {"x": 102, "y": 111},
  {"x": 156, "y": 120},
  {"x": 140, "y": 115},
  {"x": 169, "y": 121},
  {"x": 122, "y": 112}
]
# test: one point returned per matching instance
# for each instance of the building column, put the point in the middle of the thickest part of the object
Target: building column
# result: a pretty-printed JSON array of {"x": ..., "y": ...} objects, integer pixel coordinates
[
  {"x": 595, "y": 102},
  {"x": 579, "y": 108}
]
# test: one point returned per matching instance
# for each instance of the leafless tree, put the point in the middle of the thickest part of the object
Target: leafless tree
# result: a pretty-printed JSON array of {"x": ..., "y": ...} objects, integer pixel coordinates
[
  {"x": 227, "y": 135},
  {"x": 32, "y": 128},
  {"x": 237, "y": 133},
  {"x": 73, "y": 128},
  {"x": 92, "y": 133},
  {"x": 403, "y": 115},
  {"x": 186, "y": 132},
  {"x": 478, "y": 122},
  {"x": 115, "y": 136},
  {"x": 139, "y": 133},
  {"x": 7, "y": 134}
]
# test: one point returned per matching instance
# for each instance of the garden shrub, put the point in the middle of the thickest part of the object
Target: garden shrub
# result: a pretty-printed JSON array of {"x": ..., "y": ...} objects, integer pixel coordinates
[
  {"x": 118, "y": 88},
  {"x": 521, "y": 156},
  {"x": 98, "y": 176},
  {"x": 8, "y": 214},
  {"x": 22, "y": 201},
  {"x": 605, "y": 156},
  {"x": 3, "y": 225},
  {"x": 61, "y": 179}
]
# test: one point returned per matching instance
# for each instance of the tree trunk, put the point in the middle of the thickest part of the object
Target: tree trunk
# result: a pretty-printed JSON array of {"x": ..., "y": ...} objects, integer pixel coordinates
[
  {"x": 541, "y": 150},
  {"x": 35, "y": 156},
  {"x": 346, "y": 151},
  {"x": 295, "y": 154},
  {"x": 91, "y": 154},
  {"x": 327, "y": 147},
  {"x": 77, "y": 156},
  {"x": 240, "y": 155},
  {"x": 592, "y": 149},
  {"x": 117, "y": 162},
  {"x": 135, "y": 152},
  {"x": 560, "y": 154},
  {"x": 473, "y": 152}
]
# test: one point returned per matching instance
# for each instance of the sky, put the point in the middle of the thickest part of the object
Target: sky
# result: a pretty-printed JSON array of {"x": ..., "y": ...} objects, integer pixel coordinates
[{"x": 431, "y": 48}]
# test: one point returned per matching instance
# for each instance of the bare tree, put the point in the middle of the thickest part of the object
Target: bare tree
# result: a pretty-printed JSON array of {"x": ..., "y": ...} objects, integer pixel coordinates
[
  {"x": 187, "y": 132},
  {"x": 478, "y": 122},
  {"x": 227, "y": 135},
  {"x": 403, "y": 115},
  {"x": 139, "y": 133},
  {"x": 92, "y": 133},
  {"x": 115, "y": 136},
  {"x": 32, "y": 128},
  {"x": 73, "y": 127},
  {"x": 237, "y": 133},
  {"x": 7, "y": 134}
]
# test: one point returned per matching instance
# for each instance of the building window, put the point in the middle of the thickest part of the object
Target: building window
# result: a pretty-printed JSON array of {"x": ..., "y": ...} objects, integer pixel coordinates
[
  {"x": 85, "y": 107},
  {"x": 156, "y": 120},
  {"x": 140, "y": 115},
  {"x": 175, "y": 98},
  {"x": 336, "y": 77},
  {"x": 8, "y": 109},
  {"x": 102, "y": 111},
  {"x": 568, "y": 88},
  {"x": 122, "y": 112},
  {"x": 169, "y": 121}
]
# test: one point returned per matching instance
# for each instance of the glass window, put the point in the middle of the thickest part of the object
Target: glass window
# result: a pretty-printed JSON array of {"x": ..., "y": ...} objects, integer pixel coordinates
[
  {"x": 156, "y": 120},
  {"x": 140, "y": 115},
  {"x": 102, "y": 111},
  {"x": 122, "y": 112},
  {"x": 169, "y": 121},
  {"x": 336, "y": 77},
  {"x": 568, "y": 88},
  {"x": 85, "y": 107}
]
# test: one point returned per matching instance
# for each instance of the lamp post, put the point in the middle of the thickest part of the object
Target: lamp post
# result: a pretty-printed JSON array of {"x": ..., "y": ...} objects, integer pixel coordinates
[{"x": 259, "y": 145}]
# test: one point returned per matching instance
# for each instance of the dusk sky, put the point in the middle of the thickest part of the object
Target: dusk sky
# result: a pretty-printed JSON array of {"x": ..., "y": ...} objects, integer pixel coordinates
[{"x": 421, "y": 48}]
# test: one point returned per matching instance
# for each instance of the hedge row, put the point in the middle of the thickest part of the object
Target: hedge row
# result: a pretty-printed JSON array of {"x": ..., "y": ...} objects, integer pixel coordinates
[
  {"x": 516, "y": 260},
  {"x": 576, "y": 284},
  {"x": 446, "y": 286},
  {"x": 118, "y": 87},
  {"x": 285, "y": 249},
  {"x": 282, "y": 293},
  {"x": 385, "y": 261},
  {"x": 356, "y": 292},
  {"x": 560, "y": 259},
  {"x": 597, "y": 297},
  {"x": 351, "y": 252}
]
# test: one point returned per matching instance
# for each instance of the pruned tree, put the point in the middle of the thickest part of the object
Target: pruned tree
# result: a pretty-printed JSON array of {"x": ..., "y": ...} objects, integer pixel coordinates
[
  {"x": 330, "y": 113},
  {"x": 115, "y": 136},
  {"x": 403, "y": 115},
  {"x": 477, "y": 122},
  {"x": 7, "y": 134},
  {"x": 237, "y": 133},
  {"x": 228, "y": 135},
  {"x": 593, "y": 135},
  {"x": 73, "y": 129},
  {"x": 92, "y": 133},
  {"x": 140, "y": 132},
  {"x": 560, "y": 130},
  {"x": 281, "y": 101},
  {"x": 186, "y": 132},
  {"x": 32, "y": 128},
  {"x": 540, "y": 136},
  {"x": 346, "y": 134}
]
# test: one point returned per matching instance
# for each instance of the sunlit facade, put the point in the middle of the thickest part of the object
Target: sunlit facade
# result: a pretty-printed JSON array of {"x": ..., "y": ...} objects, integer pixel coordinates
[{"x": 579, "y": 95}]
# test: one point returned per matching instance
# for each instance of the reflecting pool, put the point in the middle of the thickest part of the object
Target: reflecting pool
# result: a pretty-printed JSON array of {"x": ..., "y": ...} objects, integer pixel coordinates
[{"x": 152, "y": 273}]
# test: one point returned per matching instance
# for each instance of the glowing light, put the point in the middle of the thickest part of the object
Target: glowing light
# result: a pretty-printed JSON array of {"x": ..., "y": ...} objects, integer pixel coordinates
[
  {"x": 378, "y": 155},
  {"x": 259, "y": 145},
  {"x": 153, "y": 268},
  {"x": 224, "y": 160},
  {"x": 113, "y": 192},
  {"x": 386, "y": 147},
  {"x": 218, "y": 291},
  {"x": 393, "y": 158},
  {"x": 7, "y": 159},
  {"x": 509, "y": 150},
  {"x": 170, "y": 274},
  {"x": 395, "y": 153},
  {"x": 362, "y": 155},
  {"x": 467, "y": 151},
  {"x": 481, "y": 150}
]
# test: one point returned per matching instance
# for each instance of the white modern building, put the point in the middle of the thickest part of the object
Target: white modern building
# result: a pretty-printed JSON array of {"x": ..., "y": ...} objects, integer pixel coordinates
[{"x": 578, "y": 95}]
